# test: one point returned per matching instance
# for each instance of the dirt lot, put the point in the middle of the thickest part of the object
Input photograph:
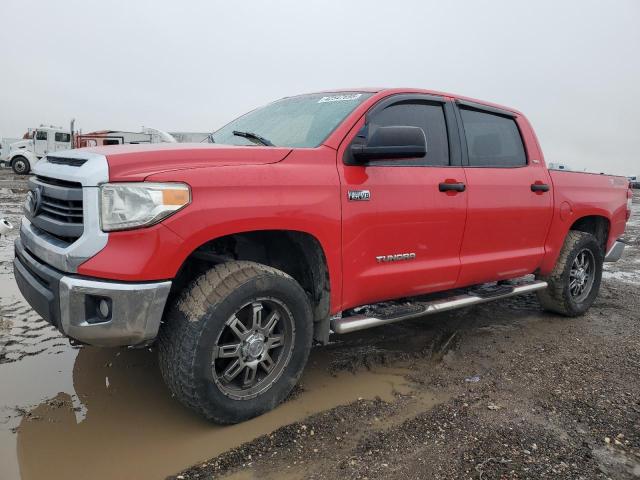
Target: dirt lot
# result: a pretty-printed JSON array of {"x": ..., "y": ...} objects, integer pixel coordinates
[{"x": 498, "y": 391}]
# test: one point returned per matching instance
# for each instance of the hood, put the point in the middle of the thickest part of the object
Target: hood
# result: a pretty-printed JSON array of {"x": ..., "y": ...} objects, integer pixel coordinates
[
  {"x": 136, "y": 162},
  {"x": 20, "y": 144}
]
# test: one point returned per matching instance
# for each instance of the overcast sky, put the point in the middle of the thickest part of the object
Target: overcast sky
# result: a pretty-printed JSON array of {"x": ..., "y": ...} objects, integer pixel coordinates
[{"x": 573, "y": 67}]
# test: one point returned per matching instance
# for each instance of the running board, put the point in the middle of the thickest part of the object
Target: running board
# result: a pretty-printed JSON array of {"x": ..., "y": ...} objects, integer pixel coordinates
[{"x": 417, "y": 309}]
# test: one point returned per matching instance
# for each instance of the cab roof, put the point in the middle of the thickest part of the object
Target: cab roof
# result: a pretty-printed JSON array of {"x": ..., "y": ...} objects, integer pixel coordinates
[{"x": 385, "y": 91}]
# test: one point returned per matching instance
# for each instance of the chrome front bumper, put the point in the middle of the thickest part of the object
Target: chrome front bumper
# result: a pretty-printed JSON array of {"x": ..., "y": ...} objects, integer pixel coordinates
[
  {"x": 71, "y": 303},
  {"x": 135, "y": 313},
  {"x": 615, "y": 252}
]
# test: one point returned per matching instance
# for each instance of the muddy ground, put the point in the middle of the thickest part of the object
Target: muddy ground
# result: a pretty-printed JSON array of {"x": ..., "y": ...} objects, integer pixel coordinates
[{"x": 502, "y": 390}]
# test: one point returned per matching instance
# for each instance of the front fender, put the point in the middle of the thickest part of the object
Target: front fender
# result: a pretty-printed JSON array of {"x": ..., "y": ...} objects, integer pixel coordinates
[
  {"x": 28, "y": 154},
  {"x": 299, "y": 194}
]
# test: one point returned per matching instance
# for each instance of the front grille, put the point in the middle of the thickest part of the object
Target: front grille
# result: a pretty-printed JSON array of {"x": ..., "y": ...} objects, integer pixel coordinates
[
  {"x": 57, "y": 182},
  {"x": 73, "y": 162},
  {"x": 60, "y": 209}
]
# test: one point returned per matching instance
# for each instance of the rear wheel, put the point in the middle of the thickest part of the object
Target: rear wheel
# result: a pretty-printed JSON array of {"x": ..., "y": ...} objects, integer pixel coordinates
[
  {"x": 20, "y": 165},
  {"x": 575, "y": 280},
  {"x": 236, "y": 341}
]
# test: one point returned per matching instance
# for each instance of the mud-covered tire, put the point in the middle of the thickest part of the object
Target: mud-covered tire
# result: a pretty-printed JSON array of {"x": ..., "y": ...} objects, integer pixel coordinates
[
  {"x": 20, "y": 165},
  {"x": 195, "y": 322},
  {"x": 558, "y": 297}
]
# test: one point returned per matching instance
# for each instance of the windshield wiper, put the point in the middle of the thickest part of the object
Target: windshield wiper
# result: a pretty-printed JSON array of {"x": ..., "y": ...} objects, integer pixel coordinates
[{"x": 253, "y": 136}]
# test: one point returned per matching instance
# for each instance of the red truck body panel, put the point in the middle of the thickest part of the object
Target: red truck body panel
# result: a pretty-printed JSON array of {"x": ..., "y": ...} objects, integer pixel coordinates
[
  {"x": 579, "y": 195},
  {"x": 299, "y": 194},
  {"x": 497, "y": 229},
  {"x": 408, "y": 209}
]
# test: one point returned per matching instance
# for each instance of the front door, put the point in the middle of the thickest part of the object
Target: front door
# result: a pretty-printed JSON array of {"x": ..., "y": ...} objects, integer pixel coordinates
[
  {"x": 509, "y": 194},
  {"x": 41, "y": 143},
  {"x": 402, "y": 229}
]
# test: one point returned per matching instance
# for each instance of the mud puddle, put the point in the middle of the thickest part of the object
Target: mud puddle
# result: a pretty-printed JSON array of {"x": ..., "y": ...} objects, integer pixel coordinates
[
  {"x": 102, "y": 413},
  {"x": 22, "y": 332}
]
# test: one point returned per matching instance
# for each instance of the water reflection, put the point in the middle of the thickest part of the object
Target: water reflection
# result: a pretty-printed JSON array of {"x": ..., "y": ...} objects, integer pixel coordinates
[{"x": 126, "y": 425}]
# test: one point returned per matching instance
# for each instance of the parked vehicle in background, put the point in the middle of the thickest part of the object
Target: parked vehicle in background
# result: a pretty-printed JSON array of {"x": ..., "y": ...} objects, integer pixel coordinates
[
  {"x": 120, "y": 137},
  {"x": 190, "y": 137},
  {"x": 5, "y": 145},
  {"x": 38, "y": 142},
  {"x": 23, "y": 154},
  {"x": 319, "y": 213},
  {"x": 634, "y": 182}
]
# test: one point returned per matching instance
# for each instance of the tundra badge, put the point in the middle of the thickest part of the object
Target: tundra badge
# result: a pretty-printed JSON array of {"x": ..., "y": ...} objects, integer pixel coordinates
[
  {"x": 359, "y": 195},
  {"x": 396, "y": 257}
]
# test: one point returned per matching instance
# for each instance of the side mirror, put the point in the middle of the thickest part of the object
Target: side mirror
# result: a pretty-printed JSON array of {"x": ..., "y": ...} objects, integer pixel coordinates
[{"x": 392, "y": 143}]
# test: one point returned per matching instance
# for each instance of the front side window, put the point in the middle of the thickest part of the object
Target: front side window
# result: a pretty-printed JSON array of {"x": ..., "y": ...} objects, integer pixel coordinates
[
  {"x": 40, "y": 135},
  {"x": 492, "y": 140},
  {"x": 304, "y": 121},
  {"x": 63, "y": 137},
  {"x": 429, "y": 117}
]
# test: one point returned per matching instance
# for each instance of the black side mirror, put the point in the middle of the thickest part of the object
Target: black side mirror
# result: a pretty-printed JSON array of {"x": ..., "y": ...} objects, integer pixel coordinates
[{"x": 392, "y": 143}]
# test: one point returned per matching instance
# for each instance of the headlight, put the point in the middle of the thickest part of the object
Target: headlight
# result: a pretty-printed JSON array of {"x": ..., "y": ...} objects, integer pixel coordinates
[{"x": 125, "y": 206}]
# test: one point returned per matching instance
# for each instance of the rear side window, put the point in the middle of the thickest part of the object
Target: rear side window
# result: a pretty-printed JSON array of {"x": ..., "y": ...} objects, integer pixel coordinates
[
  {"x": 63, "y": 137},
  {"x": 429, "y": 117},
  {"x": 492, "y": 140}
]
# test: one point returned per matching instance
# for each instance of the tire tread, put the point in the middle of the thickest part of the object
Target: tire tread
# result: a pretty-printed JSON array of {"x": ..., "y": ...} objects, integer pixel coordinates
[
  {"x": 555, "y": 298},
  {"x": 183, "y": 324}
]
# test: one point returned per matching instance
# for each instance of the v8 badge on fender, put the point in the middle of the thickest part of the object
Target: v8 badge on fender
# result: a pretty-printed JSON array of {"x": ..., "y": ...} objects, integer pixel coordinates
[{"x": 359, "y": 195}]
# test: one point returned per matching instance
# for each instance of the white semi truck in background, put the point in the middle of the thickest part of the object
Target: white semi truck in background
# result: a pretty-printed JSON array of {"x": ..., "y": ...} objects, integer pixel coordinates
[
  {"x": 23, "y": 154},
  {"x": 5, "y": 144}
]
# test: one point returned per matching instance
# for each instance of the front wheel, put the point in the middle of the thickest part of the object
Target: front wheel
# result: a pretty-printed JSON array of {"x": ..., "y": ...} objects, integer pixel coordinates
[
  {"x": 235, "y": 343},
  {"x": 20, "y": 165},
  {"x": 575, "y": 280}
]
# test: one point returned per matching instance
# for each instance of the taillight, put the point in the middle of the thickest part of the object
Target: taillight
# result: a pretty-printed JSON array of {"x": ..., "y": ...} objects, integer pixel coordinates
[{"x": 629, "y": 202}]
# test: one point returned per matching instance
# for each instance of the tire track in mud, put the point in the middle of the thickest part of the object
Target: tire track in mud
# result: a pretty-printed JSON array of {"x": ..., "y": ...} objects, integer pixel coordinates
[{"x": 23, "y": 333}]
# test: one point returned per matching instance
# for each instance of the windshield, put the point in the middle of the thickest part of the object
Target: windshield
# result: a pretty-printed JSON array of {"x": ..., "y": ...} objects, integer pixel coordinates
[{"x": 303, "y": 121}]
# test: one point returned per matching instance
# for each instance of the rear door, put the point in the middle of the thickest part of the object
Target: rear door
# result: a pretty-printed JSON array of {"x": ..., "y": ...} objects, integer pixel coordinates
[
  {"x": 509, "y": 196},
  {"x": 401, "y": 233}
]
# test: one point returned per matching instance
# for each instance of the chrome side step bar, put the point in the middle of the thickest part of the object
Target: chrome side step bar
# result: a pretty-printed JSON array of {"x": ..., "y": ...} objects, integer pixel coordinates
[{"x": 354, "y": 323}]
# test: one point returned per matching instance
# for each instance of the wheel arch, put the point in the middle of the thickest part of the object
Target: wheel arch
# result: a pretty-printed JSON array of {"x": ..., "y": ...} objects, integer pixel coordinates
[
  {"x": 297, "y": 253},
  {"x": 597, "y": 225},
  {"x": 594, "y": 221}
]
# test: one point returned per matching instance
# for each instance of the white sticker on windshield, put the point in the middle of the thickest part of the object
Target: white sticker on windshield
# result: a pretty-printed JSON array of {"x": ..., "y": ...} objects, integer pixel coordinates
[{"x": 340, "y": 98}]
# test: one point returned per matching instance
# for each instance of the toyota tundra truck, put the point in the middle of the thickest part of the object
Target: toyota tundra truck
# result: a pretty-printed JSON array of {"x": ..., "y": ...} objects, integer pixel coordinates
[{"x": 316, "y": 214}]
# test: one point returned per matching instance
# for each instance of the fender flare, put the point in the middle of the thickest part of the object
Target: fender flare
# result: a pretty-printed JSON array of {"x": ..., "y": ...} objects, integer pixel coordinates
[{"x": 555, "y": 239}]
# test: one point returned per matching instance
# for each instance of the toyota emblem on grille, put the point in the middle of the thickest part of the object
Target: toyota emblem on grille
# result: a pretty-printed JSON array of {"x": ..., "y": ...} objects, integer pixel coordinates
[{"x": 34, "y": 200}]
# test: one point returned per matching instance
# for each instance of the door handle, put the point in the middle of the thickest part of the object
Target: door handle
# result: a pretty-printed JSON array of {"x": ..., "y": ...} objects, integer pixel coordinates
[
  {"x": 452, "y": 187},
  {"x": 539, "y": 187}
]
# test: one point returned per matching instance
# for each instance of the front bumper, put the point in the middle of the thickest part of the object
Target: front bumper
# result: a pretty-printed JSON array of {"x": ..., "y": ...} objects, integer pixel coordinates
[
  {"x": 71, "y": 303},
  {"x": 615, "y": 252}
]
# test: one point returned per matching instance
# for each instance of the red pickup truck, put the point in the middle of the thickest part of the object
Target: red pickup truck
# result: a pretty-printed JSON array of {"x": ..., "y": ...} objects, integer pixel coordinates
[{"x": 320, "y": 213}]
